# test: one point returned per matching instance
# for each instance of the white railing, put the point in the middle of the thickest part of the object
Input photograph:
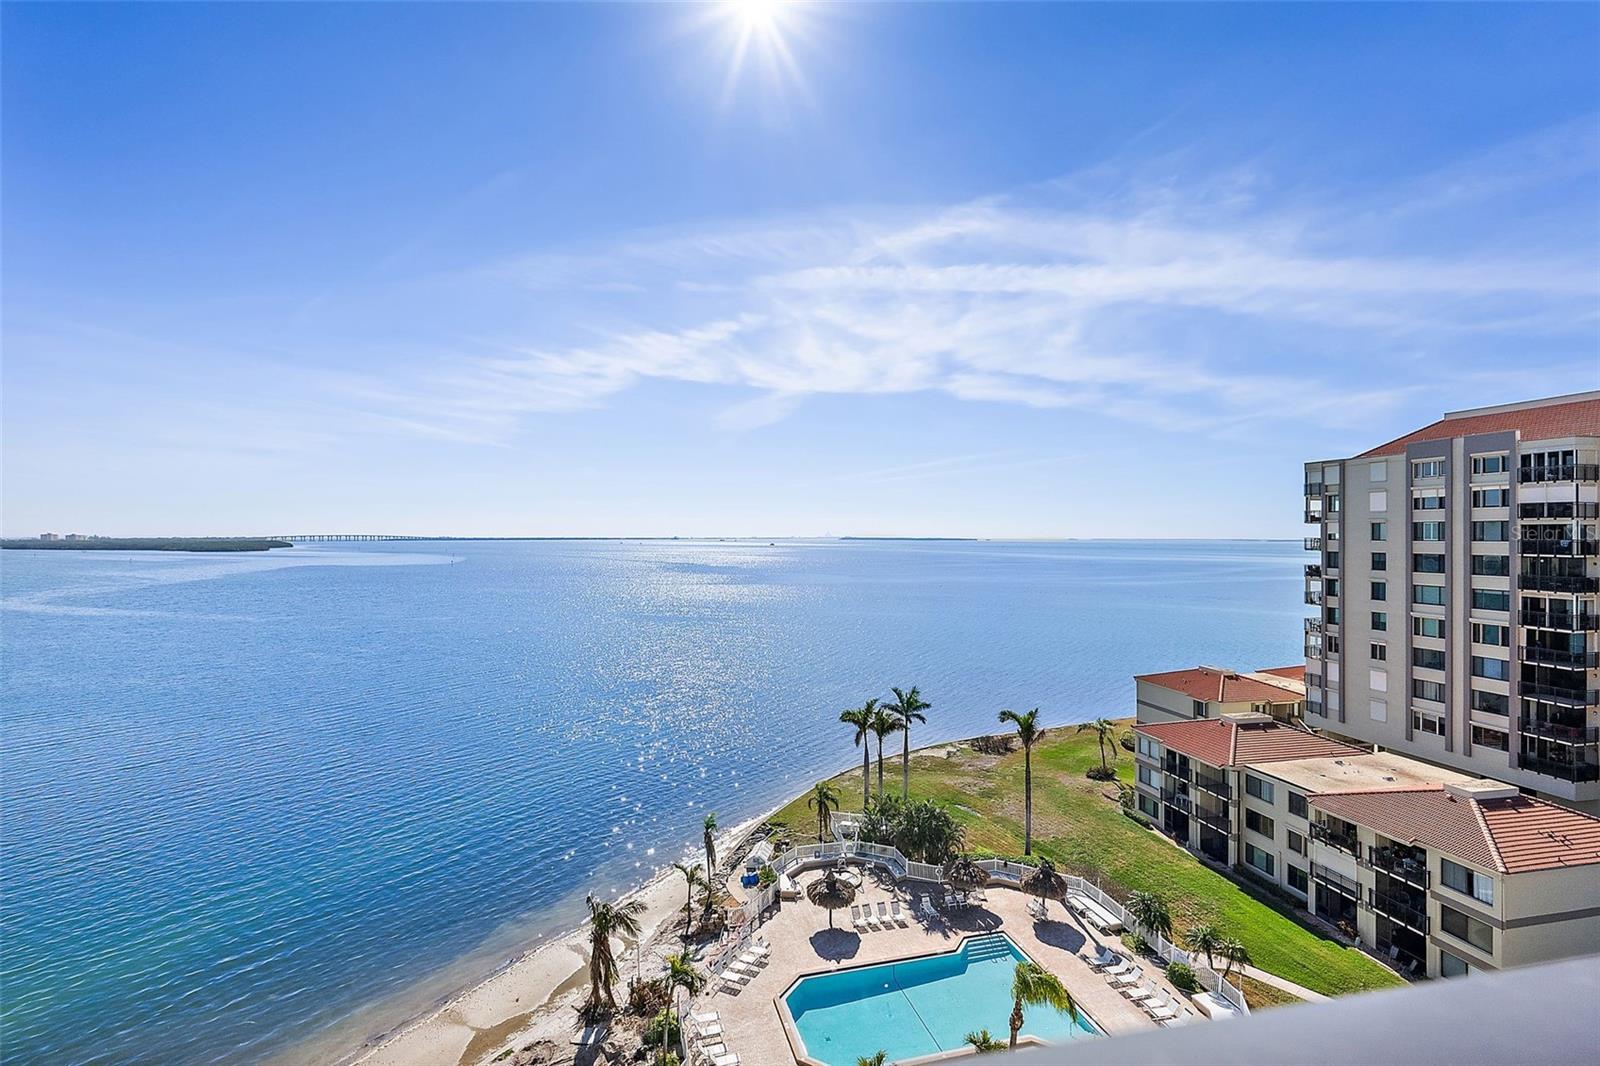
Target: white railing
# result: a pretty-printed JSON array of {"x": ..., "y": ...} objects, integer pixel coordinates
[{"x": 806, "y": 856}]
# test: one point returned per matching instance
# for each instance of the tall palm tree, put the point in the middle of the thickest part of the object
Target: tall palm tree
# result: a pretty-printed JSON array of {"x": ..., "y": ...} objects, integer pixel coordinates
[
  {"x": 1234, "y": 956},
  {"x": 711, "y": 845},
  {"x": 1106, "y": 733},
  {"x": 824, "y": 800},
  {"x": 861, "y": 718},
  {"x": 907, "y": 707},
  {"x": 606, "y": 920},
  {"x": 682, "y": 974},
  {"x": 884, "y": 724},
  {"x": 1028, "y": 731},
  {"x": 693, "y": 879},
  {"x": 1207, "y": 939},
  {"x": 1037, "y": 987}
]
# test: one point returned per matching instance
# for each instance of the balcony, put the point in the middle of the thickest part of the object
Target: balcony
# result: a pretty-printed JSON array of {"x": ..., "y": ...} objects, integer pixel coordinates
[
  {"x": 1314, "y": 570},
  {"x": 1564, "y": 472},
  {"x": 1562, "y": 694},
  {"x": 1578, "y": 660},
  {"x": 1313, "y": 544},
  {"x": 1336, "y": 881},
  {"x": 1558, "y": 509},
  {"x": 1402, "y": 864},
  {"x": 1563, "y": 732},
  {"x": 1566, "y": 771},
  {"x": 1339, "y": 839},
  {"x": 1399, "y": 908},
  {"x": 1557, "y": 583},
  {"x": 1314, "y": 514},
  {"x": 1313, "y": 651},
  {"x": 1314, "y": 597},
  {"x": 1567, "y": 621},
  {"x": 1552, "y": 546},
  {"x": 1217, "y": 820},
  {"x": 1177, "y": 800},
  {"x": 1314, "y": 488},
  {"x": 1216, "y": 785},
  {"x": 1313, "y": 625}
]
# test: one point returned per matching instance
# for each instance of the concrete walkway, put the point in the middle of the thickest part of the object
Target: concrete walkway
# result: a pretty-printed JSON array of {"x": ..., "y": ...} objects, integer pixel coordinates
[{"x": 1284, "y": 984}]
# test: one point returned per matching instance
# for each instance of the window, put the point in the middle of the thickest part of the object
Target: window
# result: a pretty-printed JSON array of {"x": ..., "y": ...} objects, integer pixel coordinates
[
  {"x": 1298, "y": 880},
  {"x": 1485, "y": 737},
  {"x": 1377, "y": 472},
  {"x": 1261, "y": 790},
  {"x": 1491, "y": 565},
  {"x": 1199, "y": 707},
  {"x": 1428, "y": 627},
  {"x": 1484, "y": 633},
  {"x": 1428, "y": 468},
  {"x": 1491, "y": 531},
  {"x": 1333, "y": 616},
  {"x": 1378, "y": 710},
  {"x": 1149, "y": 777},
  {"x": 1432, "y": 595},
  {"x": 1380, "y": 621},
  {"x": 1491, "y": 600},
  {"x": 1379, "y": 530},
  {"x": 1432, "y": 501},
  {"x": 1297, "y": 843},
  {"x": 1148, "y": 746},
  {"x": 1427, "y": 658},
  {"x": 1467, "y": 881},
  {"x": 1380, "y": 560},
  {"x": 1466, "y": 928},
  {"x": 1432, "y": 691},
  {"x": 1495, "y": 669},
  {"x": 1427, "y": 564},
  {"x": 1450, "y": 966},
  {"x": 1378, "y": 651},
  {"x": 1334, "y": 647},
  {"x": 1297, "y": 806},
  {"x": 1331, "y": 587},
  {"x": 1380, "y": 590},
  {"x": 1260, "y": 860},
  {"x": 1333, "y": 503},
  {"x": 1427, "y": 723},
  {"x": 1332, "y": 561},
  {"x": 1429, "y": 531},
  {"x": 1378, "y": 502},
  {"x": 1489, "y": 464},
  {"x": 1490, "y": 702},
  {"x": 1257, "y": 822},
  {"x": 1491, "y": 497}
]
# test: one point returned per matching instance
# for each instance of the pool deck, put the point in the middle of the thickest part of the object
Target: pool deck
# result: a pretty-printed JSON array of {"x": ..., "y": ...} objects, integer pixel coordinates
[{"x": 803, "y": 944}]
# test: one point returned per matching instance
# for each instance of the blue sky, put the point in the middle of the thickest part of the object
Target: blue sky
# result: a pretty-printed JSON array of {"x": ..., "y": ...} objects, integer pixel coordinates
[{"x": 946, "y": 270}]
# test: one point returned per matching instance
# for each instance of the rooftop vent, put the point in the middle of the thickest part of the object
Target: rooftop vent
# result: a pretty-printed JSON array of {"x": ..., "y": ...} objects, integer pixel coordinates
[{"x": 1482, "y": 789}]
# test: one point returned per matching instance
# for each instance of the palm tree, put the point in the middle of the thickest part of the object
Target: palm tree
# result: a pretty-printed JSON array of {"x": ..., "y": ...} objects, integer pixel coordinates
[
  {"x": 1106, "y": 733},
  {"x": 1150, "y": 911},
  {"x": 693, "y": 879},
  {"x": 1234, "y": 956},
  {"x": 1207, "y": 939},
  {"x": 824, "y": 800},
  {"x": 907, "y": 707},
  {"x": 1037, "y": 987},
  {"x": 711, "y": 845},
  {"x": 607, "y": 920},
  {"x": 1028, "y": 731},
  {"x": 981, "y": 1041},
  {"x": 861, "y": 718},
  {"x": 873, "y": 1060},
  {"x": 884, "y": 724},
  {"x": 682, "y": 974}
]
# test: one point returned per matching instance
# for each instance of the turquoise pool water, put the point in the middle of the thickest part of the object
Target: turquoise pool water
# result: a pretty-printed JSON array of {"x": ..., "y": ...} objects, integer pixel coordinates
[{"x": 919, "y": 1007}]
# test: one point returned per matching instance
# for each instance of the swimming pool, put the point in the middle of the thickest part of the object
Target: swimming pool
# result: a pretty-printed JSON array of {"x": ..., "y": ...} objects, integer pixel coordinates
[{"x": 919, "y": 1007}]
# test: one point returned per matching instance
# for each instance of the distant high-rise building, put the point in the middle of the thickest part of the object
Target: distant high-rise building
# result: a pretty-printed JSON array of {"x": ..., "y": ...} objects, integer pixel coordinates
[{"x": 1456, "y": 579}]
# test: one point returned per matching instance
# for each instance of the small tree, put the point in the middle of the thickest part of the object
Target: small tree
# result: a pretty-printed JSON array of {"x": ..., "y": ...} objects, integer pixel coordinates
[
  {"x": 1207, "y": 939},
  {"x": 824, "y": 800},
  {"x": 981, "y": 1041},
  {"x": 1150, "y": 911},
  {"x": 710, "y": 827},
  {"x": 1236, "y": 956},
  {"x": 693, "y": 879},
  {"x": 1105, "y": 732},
  {"x": 1035, "y": 986}
]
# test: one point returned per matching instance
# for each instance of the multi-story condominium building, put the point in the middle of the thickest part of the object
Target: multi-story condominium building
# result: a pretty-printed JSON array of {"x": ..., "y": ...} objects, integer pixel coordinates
[
  {"x": 1431, "y": 869},
  {"x": 1210, "y": 692},
  {"x": 1457, "y": 592}
]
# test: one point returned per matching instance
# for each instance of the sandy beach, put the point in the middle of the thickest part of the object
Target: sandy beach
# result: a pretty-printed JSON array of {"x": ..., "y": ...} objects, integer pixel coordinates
[{"x": 531, "y": 998}]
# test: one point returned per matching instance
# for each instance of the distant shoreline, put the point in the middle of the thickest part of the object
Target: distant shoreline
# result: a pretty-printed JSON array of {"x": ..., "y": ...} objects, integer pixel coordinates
[{"x": 148, "y": 544}]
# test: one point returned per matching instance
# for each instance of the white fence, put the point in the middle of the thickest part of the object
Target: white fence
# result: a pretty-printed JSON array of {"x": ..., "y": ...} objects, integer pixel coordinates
[{"x": 1006, "y": 873}]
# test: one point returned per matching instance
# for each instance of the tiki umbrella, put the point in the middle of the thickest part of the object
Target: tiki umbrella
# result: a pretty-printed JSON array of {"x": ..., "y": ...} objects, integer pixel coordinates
[
  {"x": 832, "y": 893},
  {"x": 966, "y": 875},
  {"x": 1045, "y": 883}
]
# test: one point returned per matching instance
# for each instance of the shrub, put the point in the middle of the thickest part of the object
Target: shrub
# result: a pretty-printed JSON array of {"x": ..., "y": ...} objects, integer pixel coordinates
[
  {"x": 922, "y": 830},
  {"x": 768, "y": 875},
  {"x": 648, "y": 997},
  {"x": 1126, "y": 740},
  {"x": 1136, "y": 943},
  {"x": 1000, "y": 744},
  {"x": 1101, "y": 773},
  {"x": 1182, "y": 978},
  {"x": 663, "y": 1029}
]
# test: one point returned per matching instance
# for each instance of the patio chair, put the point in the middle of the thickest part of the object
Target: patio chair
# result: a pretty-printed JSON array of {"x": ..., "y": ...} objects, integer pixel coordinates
[
  {"x": 709, "y": 1017},
  {"x": 729, "y": 1059},
  {"x": 753, "y": 960},
  {"x": 900, "y": 917},
  {"x": 1107, "y": 957},
  {"x": 1162, "y": 1012},
  {"x": 925, "y": 908},
  {"x": 761, "y": 948},
  {"x": 884, "y": 918},
  {"x": 856, "y": 920},
  {"x": 710, "y": 1032},
  {"x": 1129, "y": 979},
  {"x": 1121, "y": 966},
  {"x": 870, "y": 918},
  {"x": 1141, "y": 994}
]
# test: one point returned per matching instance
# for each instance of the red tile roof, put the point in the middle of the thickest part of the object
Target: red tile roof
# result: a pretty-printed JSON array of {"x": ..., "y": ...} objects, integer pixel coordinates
[
  {"x": 1513, "y": 834},
  {"x": 1290, "y": 673},
  {"x": 1227, "y": 742},
  {"x": 1221, "y": 686},
  {"x": 1578, "y": 418}
]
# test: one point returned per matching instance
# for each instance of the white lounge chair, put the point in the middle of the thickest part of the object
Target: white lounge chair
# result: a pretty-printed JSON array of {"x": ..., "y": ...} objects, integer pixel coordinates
[
  {"x": 856, "y": 920},
  {"x": 751, "y": 959},
  {"x": 870, "y": 918},
  {"x": 760, "y": 948},
  {"x": 1121, "y": 966},
  {"x": 737, "y": 976},
  {"x": 1139, "y": 995},
  {"x": 1129, "y": 979},
  {"x": 725, "y": 1060},
  {"x": 925, "y": 909},
  {"x": 1107, "y": 957},
  {"x": 1161, "y": 1012},
  {"x": 711, "y": 1032},
  {"x": 884, "y": 918},
  {"x": 900, "y": 917},
  {"x": 709, "y": 1017}
]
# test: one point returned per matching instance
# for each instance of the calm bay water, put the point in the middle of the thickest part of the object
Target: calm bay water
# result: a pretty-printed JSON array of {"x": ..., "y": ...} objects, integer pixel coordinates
[{"x": 245, "y": 796}]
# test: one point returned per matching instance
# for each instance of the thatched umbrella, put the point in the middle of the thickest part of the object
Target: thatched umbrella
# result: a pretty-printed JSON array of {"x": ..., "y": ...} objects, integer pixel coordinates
[
  {"x": 966, "y": 875},
  {"x": 832, "y": 893},
  {"x": 1044, "y": 882}
]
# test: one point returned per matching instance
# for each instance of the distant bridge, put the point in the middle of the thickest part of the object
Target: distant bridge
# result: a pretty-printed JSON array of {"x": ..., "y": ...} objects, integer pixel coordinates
[{"x": 320, "y": 538}]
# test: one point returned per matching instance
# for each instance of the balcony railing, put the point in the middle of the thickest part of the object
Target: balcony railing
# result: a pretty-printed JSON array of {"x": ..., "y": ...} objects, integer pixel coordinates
[
  {"x": 1398, "y": 908},
  {"x": 1566, "y": 621},
  {"x": 1578, "y": 660},
  {"x": 1313, "y": 515},
  {"x": 1313, "y": 651},
  {"x": 1342, "y": 840},
  {"x": 1558, "y": 509},
  {"x": 1552, "y": 546},
  {"x": 1314, "y": 597},
  {"x": 1562, "y": 694},
  {"x": 1314, "y": 488},
  {"x": 1563, "y": 472},
  {"x": 1313, "y": 625},
  {"x": 1402, "y": 864},
  {"x": 1566, "y": 732},
  {"x": 1217, "y": 820},
  {"x": 1557, "y": 583},
  {"x": 1177, "y": 799},
  {"x": 1566, "y": 771},
  {"x": 1217, "y": 786},
  {"x": 1313, "y": 544},
  {"x": 1336, "y": 881},
  {"x": 1313, "y": 570}
]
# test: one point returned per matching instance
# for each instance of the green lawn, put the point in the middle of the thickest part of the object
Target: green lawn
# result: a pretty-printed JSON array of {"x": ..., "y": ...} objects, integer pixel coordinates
[{"x": 1080, "y": 826}]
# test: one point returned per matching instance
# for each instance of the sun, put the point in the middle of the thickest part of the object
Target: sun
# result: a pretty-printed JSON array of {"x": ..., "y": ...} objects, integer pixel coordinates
[
  {"x": 760, "y": 37},
  {"x": 758, "y": 16}
]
